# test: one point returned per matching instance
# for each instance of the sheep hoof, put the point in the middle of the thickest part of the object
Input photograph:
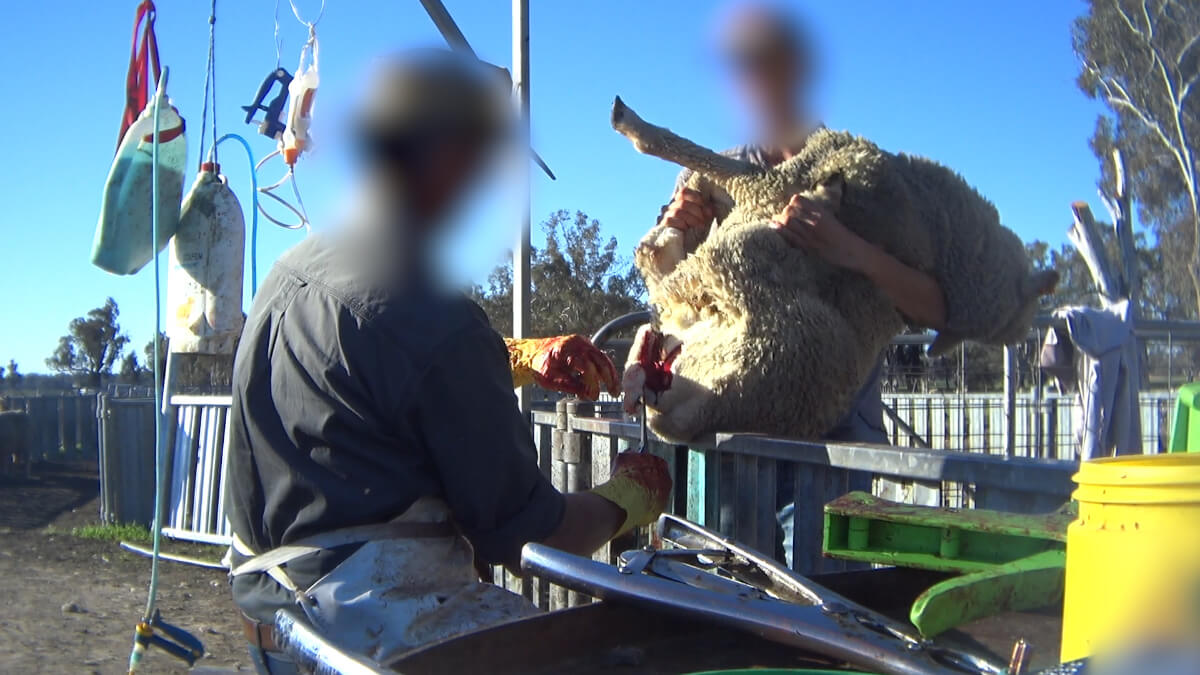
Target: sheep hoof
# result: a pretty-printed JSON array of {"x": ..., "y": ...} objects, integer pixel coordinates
[{"x": 633, "y": 384}]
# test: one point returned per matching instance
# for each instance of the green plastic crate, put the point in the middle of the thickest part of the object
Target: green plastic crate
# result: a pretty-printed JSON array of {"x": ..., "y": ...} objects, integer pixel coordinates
[{"x": 1185, "y": 429}]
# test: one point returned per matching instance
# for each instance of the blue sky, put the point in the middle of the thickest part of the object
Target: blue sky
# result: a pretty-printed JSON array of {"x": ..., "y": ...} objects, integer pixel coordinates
[{"x": 984, "y": 87}]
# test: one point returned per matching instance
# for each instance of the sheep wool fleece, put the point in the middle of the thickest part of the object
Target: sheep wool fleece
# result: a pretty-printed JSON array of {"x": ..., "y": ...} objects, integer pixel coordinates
[{"x": 773, "y": 338}]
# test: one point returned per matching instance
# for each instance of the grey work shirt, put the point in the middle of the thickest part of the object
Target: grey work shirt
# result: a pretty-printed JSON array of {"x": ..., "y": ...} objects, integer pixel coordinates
[
  {"x": 863, "y": 423},
  {"x": 360, "y": 387}
]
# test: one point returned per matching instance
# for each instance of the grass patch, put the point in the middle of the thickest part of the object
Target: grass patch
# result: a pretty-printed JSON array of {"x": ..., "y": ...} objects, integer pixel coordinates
[{"x": 136, "y": 534}]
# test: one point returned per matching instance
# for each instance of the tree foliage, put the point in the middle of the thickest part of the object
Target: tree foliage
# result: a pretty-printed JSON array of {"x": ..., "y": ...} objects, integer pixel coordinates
[
  {"x": 579, "y": 281},
  {"x": 148, "y": 355},
  {"x": 1141, "y": 58},
  {"x": 92, "y": 345},
  {"x": 131, "y": 370}
]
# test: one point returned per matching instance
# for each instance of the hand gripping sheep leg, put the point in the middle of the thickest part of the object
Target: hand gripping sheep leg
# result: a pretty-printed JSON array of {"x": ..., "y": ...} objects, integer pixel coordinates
[{"x": 774, "y": 339}]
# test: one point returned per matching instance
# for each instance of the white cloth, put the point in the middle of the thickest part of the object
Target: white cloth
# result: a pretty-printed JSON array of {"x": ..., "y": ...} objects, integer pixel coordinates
[
  {"x": 1109, "y": 377},
  {"x": 394, "y": 595}
]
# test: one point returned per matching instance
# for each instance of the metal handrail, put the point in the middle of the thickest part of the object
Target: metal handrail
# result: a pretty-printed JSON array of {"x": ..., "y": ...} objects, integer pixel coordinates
[{"x": 603, "y": 335}]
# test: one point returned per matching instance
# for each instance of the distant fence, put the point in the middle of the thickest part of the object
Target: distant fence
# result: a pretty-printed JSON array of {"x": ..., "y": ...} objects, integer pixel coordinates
[
  {"x": 117, "y": 429},
  {"x": 1045, "y": 427},
  {"x": 61, "y": 426}
]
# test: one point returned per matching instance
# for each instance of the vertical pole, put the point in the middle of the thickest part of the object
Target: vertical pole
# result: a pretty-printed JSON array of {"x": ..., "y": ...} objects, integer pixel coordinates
[
  {"x": 1039, "y": 449},
  {"x": 1170, "y": 361},
  {"x": 1010, "y": 402},
  {"x": 521, "y": 280}
]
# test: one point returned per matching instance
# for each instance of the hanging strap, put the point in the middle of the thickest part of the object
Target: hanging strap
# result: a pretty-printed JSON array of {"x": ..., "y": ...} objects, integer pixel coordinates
[{"x": 142, "y": 61}]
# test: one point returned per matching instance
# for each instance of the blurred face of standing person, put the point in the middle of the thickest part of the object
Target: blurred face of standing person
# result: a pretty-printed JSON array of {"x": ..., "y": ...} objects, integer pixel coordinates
[
  {"x": 430, "y": 122},
  {"x": 772, "y": 64}
]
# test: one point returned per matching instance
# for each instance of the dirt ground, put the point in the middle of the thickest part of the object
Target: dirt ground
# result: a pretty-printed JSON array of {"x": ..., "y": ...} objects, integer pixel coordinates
[{"x": 70, "y": 604}]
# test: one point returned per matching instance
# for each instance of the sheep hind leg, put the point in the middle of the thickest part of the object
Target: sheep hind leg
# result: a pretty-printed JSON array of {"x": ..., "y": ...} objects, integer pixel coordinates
[{"x": 665, "y": 144}]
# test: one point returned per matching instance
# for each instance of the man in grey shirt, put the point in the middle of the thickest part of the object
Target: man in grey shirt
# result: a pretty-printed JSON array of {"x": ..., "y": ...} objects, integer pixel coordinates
[
  {"x": 367, "y": 397},
  {"x": 773, "y": 63}
]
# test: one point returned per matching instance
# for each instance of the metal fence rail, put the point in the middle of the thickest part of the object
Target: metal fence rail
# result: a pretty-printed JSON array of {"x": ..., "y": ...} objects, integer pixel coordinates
[{"x": 199, "y": 449}]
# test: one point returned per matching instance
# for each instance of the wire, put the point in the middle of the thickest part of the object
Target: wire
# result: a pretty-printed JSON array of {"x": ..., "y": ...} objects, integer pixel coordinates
[
  {"x": 254, "y": 209},
  {"x": 212, "y": 64},
  {"x": 278, "y": 39},
  {"x": 159, "y": 450},
  {"x": 135, "y": 656},
  {"x": 210, "y": 82},
  {"x": 310, "y": 24}
]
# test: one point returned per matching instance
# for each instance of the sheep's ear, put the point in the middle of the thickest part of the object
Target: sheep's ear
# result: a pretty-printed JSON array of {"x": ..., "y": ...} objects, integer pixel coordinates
[
  {"x": 831, "y": 189},
  {"x": 1039, "y": 284}
]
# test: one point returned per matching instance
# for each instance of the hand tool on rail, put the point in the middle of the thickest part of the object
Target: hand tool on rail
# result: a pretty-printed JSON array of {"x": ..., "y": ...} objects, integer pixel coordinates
[{"x": 644, "y": 441}]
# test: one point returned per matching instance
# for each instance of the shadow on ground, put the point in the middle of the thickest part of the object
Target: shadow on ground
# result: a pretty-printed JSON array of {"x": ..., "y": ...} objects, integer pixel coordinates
[{"x": 55, "y": 488}]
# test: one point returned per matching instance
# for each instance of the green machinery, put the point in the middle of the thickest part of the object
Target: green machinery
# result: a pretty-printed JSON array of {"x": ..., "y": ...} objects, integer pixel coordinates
[
  {"x": 1185, "y": 429},
  {"x": 1004, "y": 561}
]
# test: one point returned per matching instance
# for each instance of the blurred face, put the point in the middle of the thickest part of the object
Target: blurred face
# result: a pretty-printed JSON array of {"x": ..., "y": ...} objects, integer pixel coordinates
[
  {"x": 427, "y": 178},
  {"x": 770, "y": 78},
  {"x": 448, "y": 173}
]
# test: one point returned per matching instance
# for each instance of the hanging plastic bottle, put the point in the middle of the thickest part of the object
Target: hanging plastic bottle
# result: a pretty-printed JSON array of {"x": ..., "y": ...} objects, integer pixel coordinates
[
  {"x": 122, "y": 244},
  {"x": 204, "y": 280},
  {"x": 302, "y": 91}
]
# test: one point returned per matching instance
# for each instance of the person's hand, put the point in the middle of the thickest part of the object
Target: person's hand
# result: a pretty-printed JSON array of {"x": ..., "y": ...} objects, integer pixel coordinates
[
  {"x": 570, "y": 364},
  {"x": 808, "y": 224},
  {"x": 640, "y": 485},
  {"x": 688, "y": 209}
]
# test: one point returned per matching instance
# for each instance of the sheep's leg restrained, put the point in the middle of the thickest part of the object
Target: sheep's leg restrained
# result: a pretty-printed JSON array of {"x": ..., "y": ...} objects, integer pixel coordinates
[{"x": 666, "y": 144}]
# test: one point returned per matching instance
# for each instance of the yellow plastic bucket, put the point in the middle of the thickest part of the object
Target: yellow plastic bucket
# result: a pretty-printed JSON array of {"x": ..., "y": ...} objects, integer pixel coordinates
[{"x": 1133, "y": 555}]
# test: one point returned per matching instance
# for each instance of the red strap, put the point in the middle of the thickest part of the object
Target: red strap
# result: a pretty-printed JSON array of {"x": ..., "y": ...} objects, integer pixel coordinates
[{"x": 138, "y": 84}]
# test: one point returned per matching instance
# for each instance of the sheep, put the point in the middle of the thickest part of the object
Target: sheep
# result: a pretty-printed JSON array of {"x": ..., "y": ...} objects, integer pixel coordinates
[{"x": 764, "y": 337}]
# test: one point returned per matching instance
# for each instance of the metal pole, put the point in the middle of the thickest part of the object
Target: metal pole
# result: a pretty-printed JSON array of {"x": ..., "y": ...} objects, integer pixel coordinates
[
  {"x": 446, "y": 26},
  {"x": 1038, "y": 426},
  {"x": 1170, "y": 362},
  {"x": 1010, "y": 402},
  {"x": 521, "y": 280},
  {"x": 454, "y": 37}
]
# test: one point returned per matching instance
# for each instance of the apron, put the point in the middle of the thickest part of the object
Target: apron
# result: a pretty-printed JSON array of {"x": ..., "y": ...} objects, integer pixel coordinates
[{"x": 400, "y": 590}]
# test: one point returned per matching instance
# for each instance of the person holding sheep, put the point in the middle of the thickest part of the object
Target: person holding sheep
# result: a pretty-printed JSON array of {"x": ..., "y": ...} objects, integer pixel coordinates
[{"x": 774, "y": 64}]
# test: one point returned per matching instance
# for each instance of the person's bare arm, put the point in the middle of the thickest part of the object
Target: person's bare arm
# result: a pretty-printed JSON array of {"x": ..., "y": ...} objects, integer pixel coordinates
[
  {"x": 915, "y": 294},
  {"x": 588, "y": 522},
  {"x": 808, "y": 224}
]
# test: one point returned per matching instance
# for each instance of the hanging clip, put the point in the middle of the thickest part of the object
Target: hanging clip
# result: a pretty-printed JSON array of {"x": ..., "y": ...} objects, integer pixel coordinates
[
  {"x": 272, "y": 124},
  {"x": 177, "y": 642}
]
